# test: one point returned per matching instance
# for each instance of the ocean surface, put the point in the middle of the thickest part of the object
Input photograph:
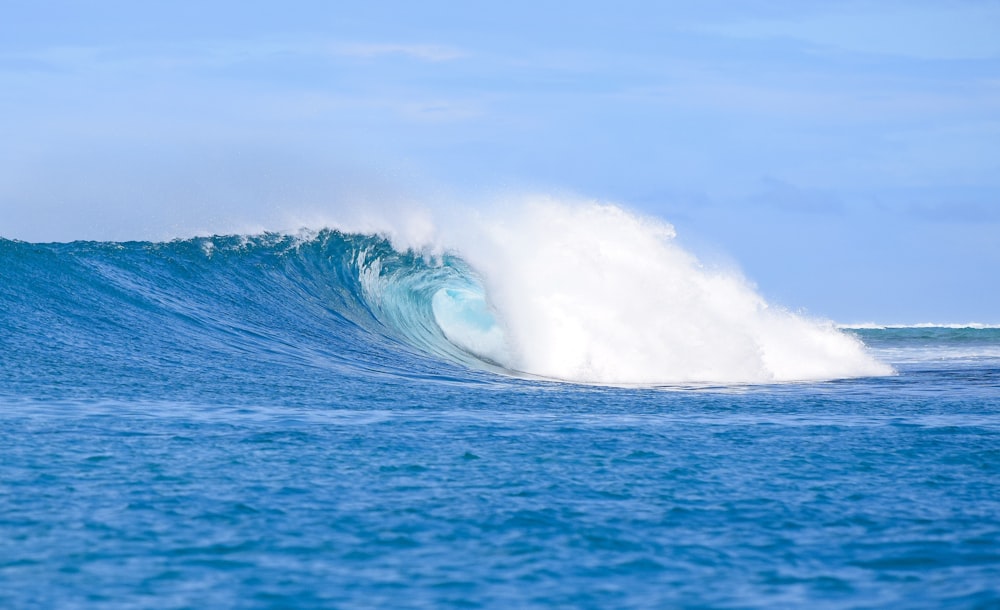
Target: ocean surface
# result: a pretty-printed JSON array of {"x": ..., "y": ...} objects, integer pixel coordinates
[{"x": 329, "y": 421}]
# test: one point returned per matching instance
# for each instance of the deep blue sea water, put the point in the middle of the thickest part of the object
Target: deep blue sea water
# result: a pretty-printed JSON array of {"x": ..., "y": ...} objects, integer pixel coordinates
[{"x": 239, "y": 422}]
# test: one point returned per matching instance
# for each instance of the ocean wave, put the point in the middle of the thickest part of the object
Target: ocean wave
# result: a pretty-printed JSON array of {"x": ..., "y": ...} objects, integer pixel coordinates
[{"x": 585, "y": 293}]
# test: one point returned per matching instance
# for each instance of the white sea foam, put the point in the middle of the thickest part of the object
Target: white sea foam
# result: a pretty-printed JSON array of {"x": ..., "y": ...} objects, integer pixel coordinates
[{"x": 589, "y": 292}]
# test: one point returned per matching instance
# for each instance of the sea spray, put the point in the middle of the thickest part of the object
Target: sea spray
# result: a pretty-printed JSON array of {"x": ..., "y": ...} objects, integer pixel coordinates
[{"x": 591, "y": 292}]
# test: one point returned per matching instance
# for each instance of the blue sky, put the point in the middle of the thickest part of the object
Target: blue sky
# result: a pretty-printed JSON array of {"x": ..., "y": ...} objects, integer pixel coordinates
[{"x": 845, "y": 155}]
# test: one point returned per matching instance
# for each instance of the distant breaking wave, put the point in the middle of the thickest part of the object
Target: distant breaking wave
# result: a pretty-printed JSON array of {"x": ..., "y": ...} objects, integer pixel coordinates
[{"x": 922, "y": 325}]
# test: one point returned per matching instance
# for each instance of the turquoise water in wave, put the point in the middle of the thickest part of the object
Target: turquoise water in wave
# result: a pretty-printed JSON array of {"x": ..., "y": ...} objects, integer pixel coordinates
[{"x": 280, "y": 422}]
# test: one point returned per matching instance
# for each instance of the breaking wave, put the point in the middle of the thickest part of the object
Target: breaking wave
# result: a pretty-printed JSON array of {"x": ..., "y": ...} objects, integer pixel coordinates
[{"x": 579, "y": 292}]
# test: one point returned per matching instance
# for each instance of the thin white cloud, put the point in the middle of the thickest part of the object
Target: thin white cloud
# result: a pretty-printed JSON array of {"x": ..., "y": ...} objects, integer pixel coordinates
[
  {"x": 416, "y": 107},
  {"x": 831, "y": 99},
  {"x": 424, "y": 52},
  {"x": 949, "y": 31},
  {"x": 212, "y": 54},
  {"x": 440, "y": 110}
]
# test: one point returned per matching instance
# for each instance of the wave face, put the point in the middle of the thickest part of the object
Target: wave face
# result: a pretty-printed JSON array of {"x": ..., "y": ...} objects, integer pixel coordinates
[
  {"x": 578, "y": 293},
  {"x": 222, "y": 313}
]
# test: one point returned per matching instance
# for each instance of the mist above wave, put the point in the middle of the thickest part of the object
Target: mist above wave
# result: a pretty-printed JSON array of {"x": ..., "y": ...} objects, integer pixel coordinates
[{"x": 590, "y": 292}]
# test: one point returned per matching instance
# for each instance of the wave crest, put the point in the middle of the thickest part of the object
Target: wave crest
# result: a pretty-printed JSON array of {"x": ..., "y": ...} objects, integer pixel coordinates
[{"x": 579, "y": 292}]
